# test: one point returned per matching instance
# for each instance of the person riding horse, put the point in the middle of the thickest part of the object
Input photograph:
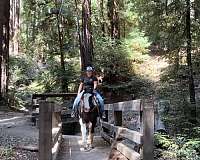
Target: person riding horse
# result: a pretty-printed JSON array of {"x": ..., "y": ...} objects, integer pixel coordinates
[
  {"x": 89, "y": 104},
  {"x": 89, "y": 84}
]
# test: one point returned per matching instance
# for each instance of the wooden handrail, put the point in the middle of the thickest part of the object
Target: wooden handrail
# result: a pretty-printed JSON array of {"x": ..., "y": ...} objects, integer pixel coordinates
[
  {"x": 144, "y": 138},
  {"x": 133, "y": 105},
  {"x": 51, "y": 95}
]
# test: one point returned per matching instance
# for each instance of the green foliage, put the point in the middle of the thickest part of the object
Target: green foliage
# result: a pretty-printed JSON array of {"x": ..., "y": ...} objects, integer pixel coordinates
[
  {"x": 51, "y": 76},
  {"x": 164, "y": 141},
  {"x": 28, "y": 77},
  {"x": 6, "y": 153},
  {"x": 178, "y": 148},
  {"x": 193, "y": 144},
  {"x": 115, "y": 61},
  {"x": 137, "y": 45},
  {"x": 23, "y": 71}
]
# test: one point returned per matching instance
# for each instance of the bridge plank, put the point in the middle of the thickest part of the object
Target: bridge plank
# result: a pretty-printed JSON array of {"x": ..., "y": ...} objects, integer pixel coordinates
[
  {"x": 133, "y": 105},
  {"x": 56, "y": 132},
  {"x": 128, "y": 152},
  {"x": 107, "y": 137},
  {"x": 132, "y": 135},
  {"x": 71, "y": 149},
  {"x": 56, "y": 147}
]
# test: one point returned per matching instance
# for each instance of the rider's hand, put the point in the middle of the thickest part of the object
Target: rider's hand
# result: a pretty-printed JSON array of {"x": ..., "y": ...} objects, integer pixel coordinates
[{"x": 94, "y": 91}]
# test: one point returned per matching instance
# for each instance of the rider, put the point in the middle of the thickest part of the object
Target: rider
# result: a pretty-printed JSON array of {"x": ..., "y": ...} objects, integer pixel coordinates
[{"x": 89, "y": 84}]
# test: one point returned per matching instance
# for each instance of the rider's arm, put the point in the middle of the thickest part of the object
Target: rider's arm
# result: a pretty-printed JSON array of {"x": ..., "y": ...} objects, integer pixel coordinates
[
  {"x": 80, "y": 88},
  {"x": 95, "y": 85}
]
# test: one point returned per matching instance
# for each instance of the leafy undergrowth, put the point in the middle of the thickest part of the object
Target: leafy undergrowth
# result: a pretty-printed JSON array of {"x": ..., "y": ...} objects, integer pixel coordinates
[
  {"x": 176, "y": 148},
  {"x": 6, "y": 153}
]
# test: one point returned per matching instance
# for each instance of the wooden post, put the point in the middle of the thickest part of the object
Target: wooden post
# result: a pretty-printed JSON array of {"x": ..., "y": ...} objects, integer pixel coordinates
[
  {"x": 148, "y": 131},
  {"x": 45, "y": 130},
  {"x": 141, "y": 126},
  {"x": 118, "y": 118}
]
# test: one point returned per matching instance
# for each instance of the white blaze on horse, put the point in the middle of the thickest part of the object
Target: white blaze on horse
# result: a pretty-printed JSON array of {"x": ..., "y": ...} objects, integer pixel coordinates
[{"x": 88, "y": 113}]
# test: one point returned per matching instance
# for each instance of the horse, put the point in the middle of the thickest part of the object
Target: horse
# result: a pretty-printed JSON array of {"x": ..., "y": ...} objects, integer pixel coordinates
[{"x": 88, "y": 113}]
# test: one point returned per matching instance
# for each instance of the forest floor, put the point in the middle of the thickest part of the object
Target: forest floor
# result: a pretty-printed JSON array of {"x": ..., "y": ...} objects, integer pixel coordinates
[{"x": 18, "y": 138}]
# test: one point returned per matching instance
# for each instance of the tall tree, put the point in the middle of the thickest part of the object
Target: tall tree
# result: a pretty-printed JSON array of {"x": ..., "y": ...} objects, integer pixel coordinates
[
  {"x": 197, "y": 9},
  {"x": 59, "y": 18},
  {"x": 87, "y": 43},
  {"x": 113, "y": 15},
  {"x": 103, "y": 27},
  {"x": 4, "y": 47},
  {"x": 189, "y": 56},
  {"x": 14, "y": 26}
]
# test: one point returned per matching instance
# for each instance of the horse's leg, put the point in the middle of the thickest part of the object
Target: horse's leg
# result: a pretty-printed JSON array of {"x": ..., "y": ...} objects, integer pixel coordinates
[
  {"x": 91, "y": 136},
  {"x": 84, "y": 132}
]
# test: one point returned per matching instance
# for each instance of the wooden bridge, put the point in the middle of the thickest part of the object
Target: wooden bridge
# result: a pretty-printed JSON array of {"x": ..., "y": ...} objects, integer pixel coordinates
[{"x": 133, "y": 145}]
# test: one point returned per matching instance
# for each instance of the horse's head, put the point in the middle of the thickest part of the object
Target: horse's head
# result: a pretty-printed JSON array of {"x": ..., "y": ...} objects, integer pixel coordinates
[{"x": 88, "y": 102}]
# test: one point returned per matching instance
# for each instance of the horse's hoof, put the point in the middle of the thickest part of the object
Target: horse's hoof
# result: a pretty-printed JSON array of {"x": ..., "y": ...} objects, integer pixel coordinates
[
  {"x": 90, "y": 146},
  {"x": 85, "y": 148}
]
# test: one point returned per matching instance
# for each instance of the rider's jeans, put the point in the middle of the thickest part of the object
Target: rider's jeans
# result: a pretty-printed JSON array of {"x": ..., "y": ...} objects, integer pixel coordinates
[{"x": 97, "y": 95}]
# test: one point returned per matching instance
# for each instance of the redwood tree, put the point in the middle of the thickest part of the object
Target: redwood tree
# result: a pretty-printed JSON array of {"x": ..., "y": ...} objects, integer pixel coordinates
[
  {"x": 113, "y": 15},
  {"x": 4, "y": 47},
  {"x": 189, "y": 58},
  {"x": 87, "y": 44},
  {"x": 103, "y": 27},
  {"x": 14, "y": 26}
]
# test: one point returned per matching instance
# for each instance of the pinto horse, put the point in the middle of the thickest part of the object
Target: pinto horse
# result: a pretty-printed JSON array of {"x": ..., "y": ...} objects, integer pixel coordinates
[{"x": 88, "y": 113}]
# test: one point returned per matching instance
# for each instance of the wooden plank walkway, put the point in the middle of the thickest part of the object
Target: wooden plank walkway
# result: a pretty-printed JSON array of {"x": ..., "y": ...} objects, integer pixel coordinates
[{"x": 71, "y": 149}]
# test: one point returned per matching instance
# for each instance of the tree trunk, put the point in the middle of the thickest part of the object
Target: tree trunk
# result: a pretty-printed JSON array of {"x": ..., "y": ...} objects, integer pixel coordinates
[
  {"x": 4, "y": 48},
  {"x": 103, "y": 18},
  {"x": 189, "y": 59},
  {"x": 113, "y": 16},
  {"x": 166, "y": 7},
  {"x": 124, "y": 27},
  {"x": 64, "y": 84},
  {"x": 78, "y": 30},
  {"x": 87, "y": 44},
  {"x": 14, "y": 26},
  {"x": 196, "y": 9}
]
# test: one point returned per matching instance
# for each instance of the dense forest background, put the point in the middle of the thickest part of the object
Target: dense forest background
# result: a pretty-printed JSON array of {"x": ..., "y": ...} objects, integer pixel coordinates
[{"x": 142, "y": 49}]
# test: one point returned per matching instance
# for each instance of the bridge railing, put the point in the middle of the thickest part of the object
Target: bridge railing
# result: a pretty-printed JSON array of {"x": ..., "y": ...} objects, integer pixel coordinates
[
  {"x": 50, "y": 127},
  {"x": 143, "y": 138}
]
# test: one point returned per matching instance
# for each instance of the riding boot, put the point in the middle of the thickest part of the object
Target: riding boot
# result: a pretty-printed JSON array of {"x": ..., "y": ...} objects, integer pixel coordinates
[{"x": 103, "y": 115}]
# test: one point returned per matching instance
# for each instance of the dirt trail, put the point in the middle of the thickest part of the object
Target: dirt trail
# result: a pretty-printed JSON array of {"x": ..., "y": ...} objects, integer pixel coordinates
[{"x": 16, "y": 130}]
